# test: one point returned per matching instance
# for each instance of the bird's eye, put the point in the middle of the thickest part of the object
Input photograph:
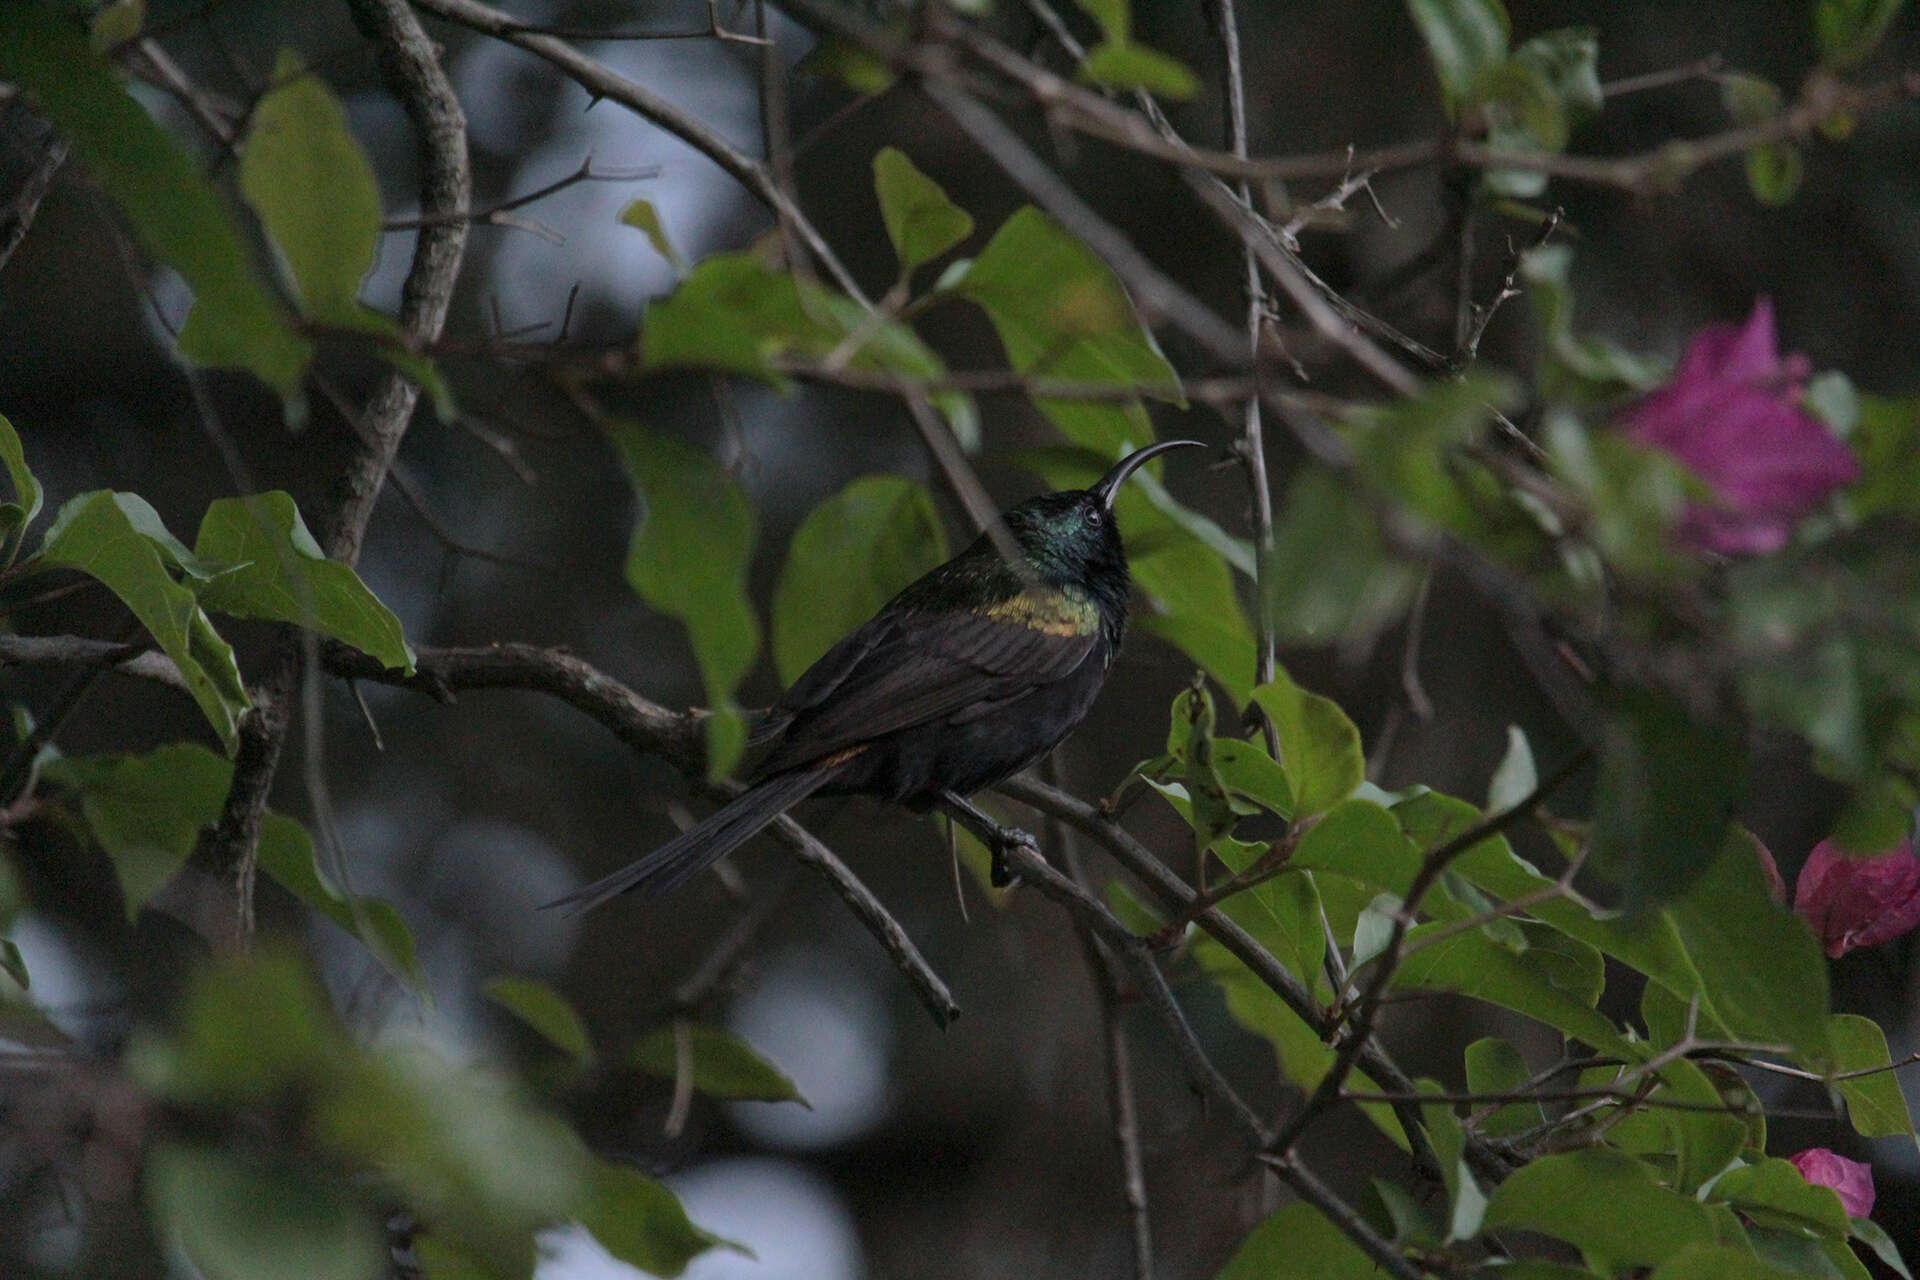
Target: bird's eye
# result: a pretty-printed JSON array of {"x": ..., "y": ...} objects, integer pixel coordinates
[{"x": 1096, "y": 517}]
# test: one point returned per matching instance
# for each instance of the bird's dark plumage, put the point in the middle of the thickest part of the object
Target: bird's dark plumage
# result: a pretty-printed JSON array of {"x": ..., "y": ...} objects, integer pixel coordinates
[{"x": 970, "y": 674}]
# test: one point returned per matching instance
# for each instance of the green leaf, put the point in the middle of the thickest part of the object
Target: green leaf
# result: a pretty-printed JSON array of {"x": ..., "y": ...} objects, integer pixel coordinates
[
  {"x": 1298, "y": 1243},
  {"x": 1749, "y": 99},
  {"x": 1253, "y": 776},
  {"x": 849, "y": 64},
  {"x": 688, "y": 559},
  {"x": 1569, "y": 59},
  {"x": 1850, "y": 30},
  {"x": 1473, "y": 964},
  {"x": 1516, "y": 777},
  {"x": 16, "y": 516},
  {"x": 287, "y": 578},
  {"x": 1533, "y": 100},
  {"x": 146, "y": 811},
  {"x": 1465, "y": 38},
  {"x": 1284, "y": 915},
  {"x": 235, "y": 320},
  {"x": 1703, "y": 1142},
  {"x": 921, "y": 221},
  {"x": 1061, "y": 314},
  {"x": 1573, "y": 364},
  {"x": 1876, "y": 1104},
  {"x": 1135, "y": 66},
  {"x": 1872, "y": 1235},
  {"x": 442, "y": 1259},
  {"x": 736, "y": 314},
  {"x": 460, "y": 1147},
  {"x": 1668, "y": 784},
  {"x": 1651, "y": 947},
  {"x": 1716, "y": 1262},
  {"x": 116, "y": 23},
  {"x": 252, "y": 1026},
  {"x": 238, "y": 1219},
  {"x": 1391, "y": 1203},
  {"x": 724, "y": 1066},
  {"x": 1773, "y": 1194},
  {"x": 640, "y": 1222},
  {"x": 644, "y": 218},
  {"x": 1466, "y": 1202},
  {"x": 13, "y": 964},
  {"x": 297, "y": 147},
  {"x": 1887, "y": 442},
  {"x": 849, "y": 557},
  {"x": 93, "y": 533},
  {"x": 1359, "y": 839},
  {"x": 1495, "y": 1066},
  {"x": 1774, "y": 172},
  {"x": 1330, "y": 576},
  {"x": 545, "y": 1010},
  {"x": 287, "y": 854},
  {"x": 1605, "y": 1203},
  {"x": 1319, "y": 745},
  {"x": 1114, "y": 17},
  {"x": 1190, "y": 742},
  {"x": 1761, "y": 969},
  {"x": 147, "y": 523},
  {"x": 1414, "y": 448}
]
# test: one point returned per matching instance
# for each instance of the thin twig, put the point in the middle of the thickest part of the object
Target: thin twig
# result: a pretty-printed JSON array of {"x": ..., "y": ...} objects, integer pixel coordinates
[
  {"x": 1252, "y": 445},
  {"x": 1170, "y": 889},
  {"x": 1024, "y": 861},
  {"x": 17, "y": 215},
  {"x": 1122, "y": 1107},
  {"x": 1343, "y": 1215},
  {"x": 602, "y": 82},
  {"x": 490, "y": 214},
  {"x": 647, "y": 727}
]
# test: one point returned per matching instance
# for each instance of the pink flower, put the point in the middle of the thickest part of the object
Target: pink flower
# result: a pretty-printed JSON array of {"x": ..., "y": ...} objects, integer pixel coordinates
[
  {"x": 1731, "y": 414},
  {"x": 1858, "y": 902},
  {"x": 1852, "y": 1180}
]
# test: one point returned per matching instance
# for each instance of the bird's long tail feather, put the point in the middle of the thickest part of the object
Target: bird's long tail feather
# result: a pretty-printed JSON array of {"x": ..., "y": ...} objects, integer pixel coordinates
[{"x": 703, "y": 844}]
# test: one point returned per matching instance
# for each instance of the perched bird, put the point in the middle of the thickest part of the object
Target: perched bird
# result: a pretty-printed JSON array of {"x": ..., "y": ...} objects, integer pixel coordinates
[{"x": 973, "y": 672}]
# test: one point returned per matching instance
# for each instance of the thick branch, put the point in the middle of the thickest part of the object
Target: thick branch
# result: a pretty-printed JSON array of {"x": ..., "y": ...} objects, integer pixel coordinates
[{"x": 412, "y": 67}]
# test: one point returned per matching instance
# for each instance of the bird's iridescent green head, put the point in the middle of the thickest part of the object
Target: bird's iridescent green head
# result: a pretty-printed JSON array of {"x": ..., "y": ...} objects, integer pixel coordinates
[{"x": 1070, "y": 536}]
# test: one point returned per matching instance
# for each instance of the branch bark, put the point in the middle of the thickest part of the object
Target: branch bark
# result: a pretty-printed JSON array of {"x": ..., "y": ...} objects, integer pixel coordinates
[{"x": 411, "y": 64}]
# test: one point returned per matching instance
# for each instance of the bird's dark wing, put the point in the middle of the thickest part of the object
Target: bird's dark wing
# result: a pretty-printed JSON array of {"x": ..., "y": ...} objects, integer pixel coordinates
[{"x": 907, "y": 668}]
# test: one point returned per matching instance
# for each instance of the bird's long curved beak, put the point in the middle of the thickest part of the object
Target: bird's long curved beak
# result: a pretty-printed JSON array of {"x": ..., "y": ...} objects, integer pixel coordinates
[{"x": 1109, "y": 484}]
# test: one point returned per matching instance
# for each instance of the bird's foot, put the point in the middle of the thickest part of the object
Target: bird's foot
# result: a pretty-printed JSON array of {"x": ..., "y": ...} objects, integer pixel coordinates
[
  {"x": 1000, "y": 840},
  {"x": 999, "y": 873}
]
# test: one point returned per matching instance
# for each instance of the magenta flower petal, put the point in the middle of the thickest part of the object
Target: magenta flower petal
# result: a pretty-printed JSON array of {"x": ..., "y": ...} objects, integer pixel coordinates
[
  {"x": 1858, "y": 902},
  {"x": 1731, "y": 414},
  {"x": 1850, "y": 1179}
]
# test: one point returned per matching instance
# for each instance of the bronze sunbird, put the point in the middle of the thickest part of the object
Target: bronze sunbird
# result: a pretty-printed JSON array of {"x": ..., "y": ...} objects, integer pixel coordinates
[{"x": 972, "y": 673}]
